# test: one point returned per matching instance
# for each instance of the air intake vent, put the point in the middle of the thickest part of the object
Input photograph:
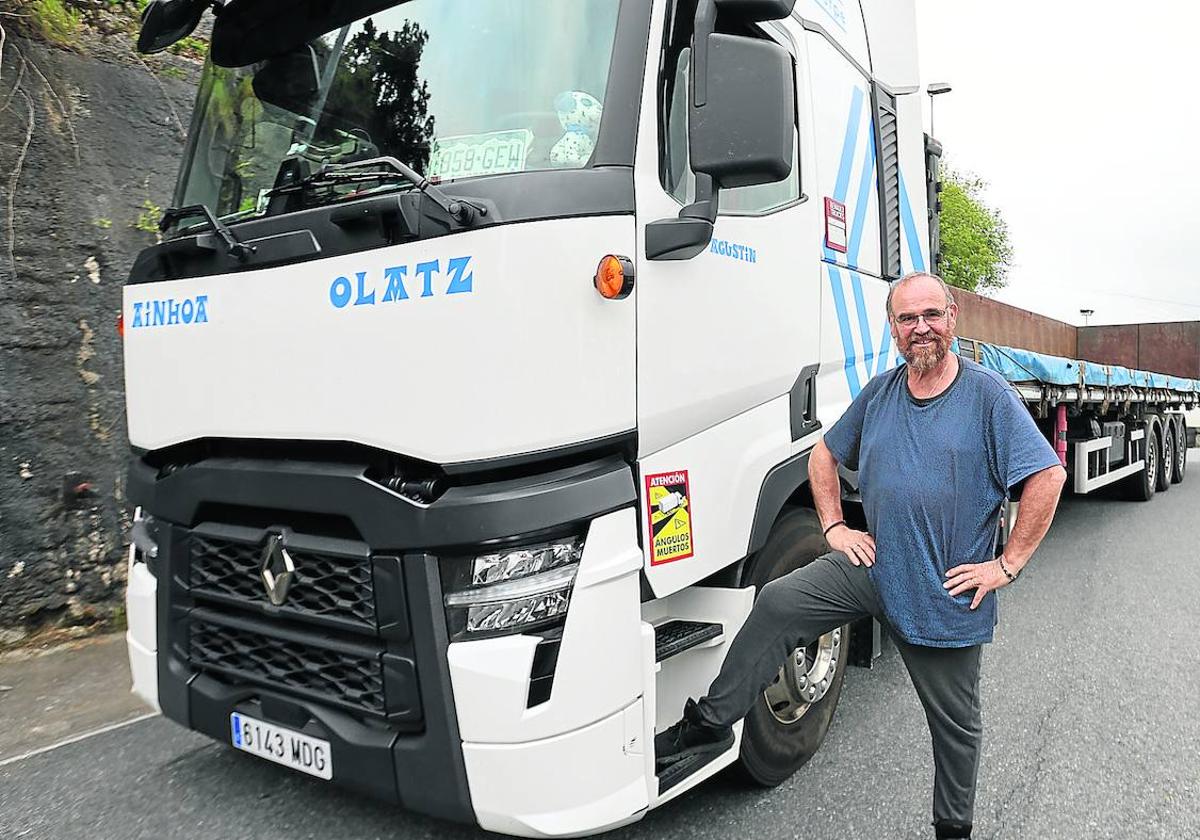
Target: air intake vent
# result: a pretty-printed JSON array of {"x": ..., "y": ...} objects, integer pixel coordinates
[
  {"x": 335, "y": 675},
  {"x": 334, "y": 586},
  {"x": 887, "y": 144}
]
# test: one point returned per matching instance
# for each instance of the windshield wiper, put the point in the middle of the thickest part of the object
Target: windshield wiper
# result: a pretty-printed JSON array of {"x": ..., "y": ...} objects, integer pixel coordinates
[
  {"x": 233, "y": 247},
  {"x": 463, "y": 212}
]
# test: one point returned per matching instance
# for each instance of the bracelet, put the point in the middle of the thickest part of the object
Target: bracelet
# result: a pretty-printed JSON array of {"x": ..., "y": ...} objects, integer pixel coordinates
[
  {"x": 825, "y": 533},
  {"x": 1011, "y": 577}
]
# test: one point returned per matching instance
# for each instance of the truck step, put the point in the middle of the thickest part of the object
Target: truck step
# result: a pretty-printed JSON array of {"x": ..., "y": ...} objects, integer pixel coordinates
[
  {"x": 675, "y": 636},
  {"x": 673, "y": 774}
]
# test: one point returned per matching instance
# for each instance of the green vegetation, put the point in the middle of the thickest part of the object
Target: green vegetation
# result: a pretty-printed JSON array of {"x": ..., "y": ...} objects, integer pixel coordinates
[
  {"x": 102, "y": 223},
  {"x": 149, "y": 217},
  {"x": 63, "y": 22},
  {"x": 191, "y": 47},
  {"x": 50, "y": 20},
  {"x": 976, "y": 253},
  {"x": 117, "y": 620}
]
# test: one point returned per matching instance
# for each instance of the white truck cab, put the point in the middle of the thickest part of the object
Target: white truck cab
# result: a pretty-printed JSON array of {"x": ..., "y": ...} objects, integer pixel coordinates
[{"x": 472, "y": 388}]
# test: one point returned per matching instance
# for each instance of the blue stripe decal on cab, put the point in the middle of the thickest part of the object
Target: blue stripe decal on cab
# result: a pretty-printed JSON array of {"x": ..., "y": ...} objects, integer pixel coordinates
[
  {"x": 860, "y": 303},
  {"x": 885, "y": 348},
  {"x": 860, "y": 209},
  {"x": 839, "y": 301},
  {"x": 848, "y": 146},
  {"x": 910, "y": 229}
]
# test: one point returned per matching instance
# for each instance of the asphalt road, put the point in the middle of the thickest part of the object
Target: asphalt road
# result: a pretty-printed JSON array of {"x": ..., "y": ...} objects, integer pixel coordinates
[{"x": 1090, "y": 696}]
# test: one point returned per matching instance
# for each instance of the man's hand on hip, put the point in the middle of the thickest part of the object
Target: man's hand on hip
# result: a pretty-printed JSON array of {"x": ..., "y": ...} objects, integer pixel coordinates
[
  {"x": 982, "y": 577},
  {"x": 859, "y": 546}
]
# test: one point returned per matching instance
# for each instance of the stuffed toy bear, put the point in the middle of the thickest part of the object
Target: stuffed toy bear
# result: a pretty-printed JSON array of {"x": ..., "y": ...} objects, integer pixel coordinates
[{"x": 579, "y": 116}]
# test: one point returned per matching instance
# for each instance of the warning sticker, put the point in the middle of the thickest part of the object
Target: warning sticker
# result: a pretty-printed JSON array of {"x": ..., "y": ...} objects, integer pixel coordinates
[
  {"x": 835, "y": 225},
  {"x": 668, "y": 501}
]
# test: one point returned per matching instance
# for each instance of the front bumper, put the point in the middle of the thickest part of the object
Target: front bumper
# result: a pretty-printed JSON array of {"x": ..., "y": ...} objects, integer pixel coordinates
[
  {"x": 142, "y": 634},
  {"x": 583, "y": 782},
  {"x": 577, "y": 762},
  {"x": 377, "y": 684}
]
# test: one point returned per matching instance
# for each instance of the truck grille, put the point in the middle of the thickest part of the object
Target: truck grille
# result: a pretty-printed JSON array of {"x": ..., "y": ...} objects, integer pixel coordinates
[
  {"x": 326, "y": 585},
  {"x": 335, "y": 674},
  {"x": 341, "y": 638}
]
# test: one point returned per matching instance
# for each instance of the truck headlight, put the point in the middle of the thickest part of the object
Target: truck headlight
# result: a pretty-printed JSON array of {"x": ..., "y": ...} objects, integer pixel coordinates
[{"x": 511, "y": 590}]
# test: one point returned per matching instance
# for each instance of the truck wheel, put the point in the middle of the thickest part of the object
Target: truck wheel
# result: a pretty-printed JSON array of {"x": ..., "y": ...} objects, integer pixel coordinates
[
  {"x": 787, "y": 725},
  {"x": 1142, "y": 484},
  {"x": 1181, "y": 452},
  {"x": 1166, "y": 469}
]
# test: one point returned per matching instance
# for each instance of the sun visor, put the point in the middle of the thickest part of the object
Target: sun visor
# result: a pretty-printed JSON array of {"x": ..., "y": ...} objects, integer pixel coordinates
[{"x": 249, "y": 31}]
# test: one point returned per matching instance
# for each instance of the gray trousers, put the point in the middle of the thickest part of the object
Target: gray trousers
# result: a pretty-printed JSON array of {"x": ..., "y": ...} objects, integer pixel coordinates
[{"x": 799, "y": 607}]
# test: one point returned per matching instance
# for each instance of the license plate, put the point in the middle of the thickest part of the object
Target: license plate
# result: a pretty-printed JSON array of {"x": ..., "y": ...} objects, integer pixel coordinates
[
  {"x": 283, "y": 746},
  {"x": 467, "y": 156}
]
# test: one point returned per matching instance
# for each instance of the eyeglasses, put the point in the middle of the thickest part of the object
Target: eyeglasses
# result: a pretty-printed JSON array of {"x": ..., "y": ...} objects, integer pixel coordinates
[{"x": 932, "y": 317}]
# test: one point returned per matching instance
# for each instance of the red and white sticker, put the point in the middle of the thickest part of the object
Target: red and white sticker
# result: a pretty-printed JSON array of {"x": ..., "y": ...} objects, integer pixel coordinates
[
  {"x": 668, "y": 504},
  {"x": 835, "y": 225}
]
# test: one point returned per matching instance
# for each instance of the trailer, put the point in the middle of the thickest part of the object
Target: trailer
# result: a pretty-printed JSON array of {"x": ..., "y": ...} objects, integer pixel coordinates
[{"x": 1111, "y": 425}]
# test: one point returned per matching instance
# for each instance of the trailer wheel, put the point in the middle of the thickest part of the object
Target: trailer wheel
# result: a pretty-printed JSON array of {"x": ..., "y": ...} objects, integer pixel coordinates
[
  {"x": 1181, "y": 453},
  {"x": 1141, "y": 485},
  {"x": 1166, "y": 470},
  {"x": 786, "y": 726}
]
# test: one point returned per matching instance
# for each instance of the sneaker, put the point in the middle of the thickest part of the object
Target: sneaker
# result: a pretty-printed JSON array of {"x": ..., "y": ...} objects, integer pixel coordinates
[{"x": 691, "y": 736}]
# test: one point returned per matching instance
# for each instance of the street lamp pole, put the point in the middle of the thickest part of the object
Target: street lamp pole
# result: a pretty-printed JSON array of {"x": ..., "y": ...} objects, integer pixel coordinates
[
  {"x": 1087, "y": 316},
  {"x": 935, "y": 89}
]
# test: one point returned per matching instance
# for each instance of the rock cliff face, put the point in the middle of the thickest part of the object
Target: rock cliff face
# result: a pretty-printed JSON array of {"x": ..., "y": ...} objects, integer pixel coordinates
[{"x": 89, "y": 149}]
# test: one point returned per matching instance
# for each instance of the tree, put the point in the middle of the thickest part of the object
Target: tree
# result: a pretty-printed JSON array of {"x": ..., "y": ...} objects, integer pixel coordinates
[
  {"x": 976, "y": 253},
  {"x": 377, "y": 89}
]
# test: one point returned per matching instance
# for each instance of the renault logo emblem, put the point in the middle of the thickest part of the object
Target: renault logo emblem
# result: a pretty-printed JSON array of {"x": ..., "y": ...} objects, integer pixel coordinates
[{"x": 277, "y": 569}]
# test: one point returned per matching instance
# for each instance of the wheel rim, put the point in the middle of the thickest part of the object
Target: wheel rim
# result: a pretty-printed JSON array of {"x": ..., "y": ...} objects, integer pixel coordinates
[
  {"x": 1152, "y": 462},
  {"x": 1180, "y": 457},
  {"x": 805, "y": 678}
]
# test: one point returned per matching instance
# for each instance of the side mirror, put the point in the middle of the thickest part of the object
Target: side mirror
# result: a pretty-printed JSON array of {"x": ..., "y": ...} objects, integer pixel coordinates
[
  {"x": 744, "y": 134},
  {"x": 166, "y": 22},
  {"x": 289, "y": 81}
]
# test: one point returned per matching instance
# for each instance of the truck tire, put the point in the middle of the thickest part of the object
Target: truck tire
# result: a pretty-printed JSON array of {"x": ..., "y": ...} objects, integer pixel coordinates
[
  {"x": 1141, "y": 485},
  {"x": 1166, "y": 470},
  {"x": 784, "y": 728},
  {"x": 1181, "y": 452}
]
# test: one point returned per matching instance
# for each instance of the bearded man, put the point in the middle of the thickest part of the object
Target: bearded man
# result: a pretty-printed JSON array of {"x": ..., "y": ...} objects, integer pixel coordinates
[{"x": 938, "y": 443}]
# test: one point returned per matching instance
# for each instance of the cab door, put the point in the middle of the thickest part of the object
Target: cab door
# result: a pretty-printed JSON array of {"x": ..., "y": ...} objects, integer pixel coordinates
[
  {"x": 722, "y": 338},
  {"x": 731, "y": 328}
]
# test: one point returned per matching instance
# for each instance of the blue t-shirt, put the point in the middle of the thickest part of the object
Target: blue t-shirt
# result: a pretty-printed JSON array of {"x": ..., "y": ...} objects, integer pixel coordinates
[{"x": 933, "y": 474}]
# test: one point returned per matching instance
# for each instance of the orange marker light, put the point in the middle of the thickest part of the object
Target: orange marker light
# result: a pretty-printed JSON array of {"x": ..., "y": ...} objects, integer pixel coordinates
[
  {"x": 121, "y": 325},
  {"x": 614, "y": 277}
]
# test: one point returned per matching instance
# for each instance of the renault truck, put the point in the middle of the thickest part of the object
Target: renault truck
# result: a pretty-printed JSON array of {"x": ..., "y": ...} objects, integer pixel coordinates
[{"x": 472, "y": 386}]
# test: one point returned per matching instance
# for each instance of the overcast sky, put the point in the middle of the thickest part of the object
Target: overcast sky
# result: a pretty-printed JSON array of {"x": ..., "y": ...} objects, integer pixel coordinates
[{"x": 1084, "y": 117}]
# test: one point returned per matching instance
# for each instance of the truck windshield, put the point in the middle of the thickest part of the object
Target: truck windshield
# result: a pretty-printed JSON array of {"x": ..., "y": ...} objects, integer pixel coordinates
[{"x": 454, "y": 90}]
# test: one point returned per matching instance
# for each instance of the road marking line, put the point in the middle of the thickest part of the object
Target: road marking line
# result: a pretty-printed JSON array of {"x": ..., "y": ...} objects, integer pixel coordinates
[{"x": 74, "y": 739}]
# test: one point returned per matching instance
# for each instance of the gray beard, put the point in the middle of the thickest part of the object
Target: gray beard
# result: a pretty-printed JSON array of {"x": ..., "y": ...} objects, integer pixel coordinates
[{"x": 926, "y": 359}]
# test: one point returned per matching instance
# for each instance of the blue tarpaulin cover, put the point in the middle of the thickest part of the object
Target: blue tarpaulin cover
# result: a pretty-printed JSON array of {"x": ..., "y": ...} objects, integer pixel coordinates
[{"x": 1027, "y": 366}]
